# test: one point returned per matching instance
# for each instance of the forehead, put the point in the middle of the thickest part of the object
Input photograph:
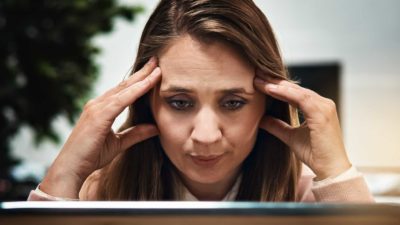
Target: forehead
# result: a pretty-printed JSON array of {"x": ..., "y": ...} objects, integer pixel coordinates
[{"x": 187, "y": 61}]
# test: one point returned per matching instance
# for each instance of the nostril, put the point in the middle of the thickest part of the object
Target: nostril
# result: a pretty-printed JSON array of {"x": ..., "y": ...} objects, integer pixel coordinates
[
  {"x": 206, "y": 137},
  {"x": 206, "y": 128}
]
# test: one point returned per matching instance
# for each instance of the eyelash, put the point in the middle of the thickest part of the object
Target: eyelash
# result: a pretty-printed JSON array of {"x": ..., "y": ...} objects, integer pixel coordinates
[
  {"x": 173, "y": 104},
  {"x": 188, "y": 104},
  {"x": 238, "y": 104}
]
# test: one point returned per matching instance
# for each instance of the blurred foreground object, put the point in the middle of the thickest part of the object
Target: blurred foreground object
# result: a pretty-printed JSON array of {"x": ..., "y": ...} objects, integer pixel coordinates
[{"x": 47, "y": 66}]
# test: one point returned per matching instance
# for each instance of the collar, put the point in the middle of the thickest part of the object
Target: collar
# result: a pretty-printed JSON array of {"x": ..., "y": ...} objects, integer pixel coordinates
[{"x": 230, "y": 196}]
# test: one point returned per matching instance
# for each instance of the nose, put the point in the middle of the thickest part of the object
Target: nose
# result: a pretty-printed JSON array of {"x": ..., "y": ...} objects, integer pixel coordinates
[{"x": 206, "y": 128}]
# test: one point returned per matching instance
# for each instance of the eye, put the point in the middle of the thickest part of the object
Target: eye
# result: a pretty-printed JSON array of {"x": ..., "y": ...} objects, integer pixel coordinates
[
  {"x": 233, "y": 104},
  {"x": 180, "y": 104}
]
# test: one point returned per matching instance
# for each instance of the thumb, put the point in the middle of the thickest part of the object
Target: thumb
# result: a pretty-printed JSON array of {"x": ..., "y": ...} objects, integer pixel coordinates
[
  {"x": 278, "y": 128},
  {"x": 136, "y": 134}
]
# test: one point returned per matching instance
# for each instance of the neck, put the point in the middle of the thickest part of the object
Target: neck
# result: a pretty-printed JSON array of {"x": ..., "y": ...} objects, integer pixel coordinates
[{"x": 211, "y": 191}]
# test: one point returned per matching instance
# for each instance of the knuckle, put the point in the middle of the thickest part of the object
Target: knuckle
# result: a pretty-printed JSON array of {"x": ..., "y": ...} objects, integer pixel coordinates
[
  {"x": 117, "y": 100},
  {"x": 146, "y": 68},
  {"x": 331, "y": 103},
  {"x": 89, "y": 110},
  {"x": 325, "y": 118},
  {"x": 88, "y": 105},
  {"x": 306, "y": 97},
  {"x": 138, "y": 73},
  {"x": 327, "y": 110},
  {"x": 149, "y": 81},
  {"x": 331, "y": 106},
  {"x": 283, "y": 89},
  {"x": 123, "y": 84},
  {"x": 143, "y": 84}
]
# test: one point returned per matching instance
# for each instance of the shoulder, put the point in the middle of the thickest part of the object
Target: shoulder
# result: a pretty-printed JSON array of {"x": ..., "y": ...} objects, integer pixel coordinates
[{"x": 89, "y": 188}]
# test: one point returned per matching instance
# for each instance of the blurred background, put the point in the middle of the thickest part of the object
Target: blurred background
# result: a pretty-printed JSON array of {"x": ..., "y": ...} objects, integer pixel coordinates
[{"x": 55, "y": 55}]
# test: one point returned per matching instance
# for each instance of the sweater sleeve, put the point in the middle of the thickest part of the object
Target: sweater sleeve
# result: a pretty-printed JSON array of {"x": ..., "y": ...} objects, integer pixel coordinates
[
  {"x": 351, "y": 190},
  {"x": 349, "y": 186},
  {"x": 88, "y": 191},
  {"x": 39, "y": 195}
]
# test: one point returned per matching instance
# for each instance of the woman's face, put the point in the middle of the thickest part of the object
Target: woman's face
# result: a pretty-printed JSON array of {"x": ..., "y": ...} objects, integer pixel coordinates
[{"x": 206, "y": 109}]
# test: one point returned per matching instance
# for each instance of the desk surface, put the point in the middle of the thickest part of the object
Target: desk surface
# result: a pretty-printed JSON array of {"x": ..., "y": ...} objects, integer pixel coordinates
[{"x": 194, "y": 213}]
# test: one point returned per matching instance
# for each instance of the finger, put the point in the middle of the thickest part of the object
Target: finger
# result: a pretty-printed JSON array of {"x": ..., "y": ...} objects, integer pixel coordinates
[
  {"x": 269, "y": 89},
  {"x": 119, "y": 101},
  {"x": 299, "y": 97},
  {"x": 129, "y": 95},
  {"x": 136, "y": 134},
  {"x": 277, "y": 128},
  {"x": 275, "y": 80},
  {"x": 136, "y": 77}
]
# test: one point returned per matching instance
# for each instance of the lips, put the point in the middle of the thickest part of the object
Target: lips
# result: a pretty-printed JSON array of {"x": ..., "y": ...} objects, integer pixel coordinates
[{"x": 206, "y": 160}]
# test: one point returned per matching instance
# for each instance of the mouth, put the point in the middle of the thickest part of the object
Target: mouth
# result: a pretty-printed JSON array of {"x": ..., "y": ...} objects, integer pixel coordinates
[{"x": 206, "y": 160}]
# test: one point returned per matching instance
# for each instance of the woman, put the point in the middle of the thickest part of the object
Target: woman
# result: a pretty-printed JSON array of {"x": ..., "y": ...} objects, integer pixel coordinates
[{"x": 211, "y": 118}]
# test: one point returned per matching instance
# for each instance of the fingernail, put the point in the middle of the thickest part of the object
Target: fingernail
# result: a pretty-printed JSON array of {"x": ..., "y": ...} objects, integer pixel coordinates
[
  {"x": 259, "y": 80},
  {"x": 156, "y": 71},
  {"x": 152, "y": 60},
  {"x": 152, "y": 77}
]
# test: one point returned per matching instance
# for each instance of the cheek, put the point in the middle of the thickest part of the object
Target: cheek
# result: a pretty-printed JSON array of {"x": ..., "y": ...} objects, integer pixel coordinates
[
  {"x": 241, "y": 131},
  {"x": 173, "y": 129}
]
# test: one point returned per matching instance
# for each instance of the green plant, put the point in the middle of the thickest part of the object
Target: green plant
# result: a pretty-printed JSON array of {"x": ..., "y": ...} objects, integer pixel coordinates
[{"x": 47, "y": 67}]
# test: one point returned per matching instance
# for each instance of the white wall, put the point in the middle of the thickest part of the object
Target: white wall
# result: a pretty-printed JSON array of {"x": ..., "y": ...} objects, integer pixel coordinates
[{"x": 364, "y": 35}]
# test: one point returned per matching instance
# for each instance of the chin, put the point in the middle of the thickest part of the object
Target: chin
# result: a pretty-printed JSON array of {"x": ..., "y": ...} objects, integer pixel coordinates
[{"x": 205, "y": 177}]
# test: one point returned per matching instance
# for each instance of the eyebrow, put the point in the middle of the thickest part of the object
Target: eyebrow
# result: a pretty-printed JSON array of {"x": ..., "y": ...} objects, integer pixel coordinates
[{"x": 238, "y": 90}]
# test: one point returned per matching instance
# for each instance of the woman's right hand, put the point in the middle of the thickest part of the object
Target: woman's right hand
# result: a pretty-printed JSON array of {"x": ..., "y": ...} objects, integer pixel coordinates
[{"x": 93, "y": 144}]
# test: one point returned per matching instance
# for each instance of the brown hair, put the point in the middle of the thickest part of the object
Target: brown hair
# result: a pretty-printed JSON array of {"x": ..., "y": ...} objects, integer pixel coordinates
[{"x": 144, "y": 172}]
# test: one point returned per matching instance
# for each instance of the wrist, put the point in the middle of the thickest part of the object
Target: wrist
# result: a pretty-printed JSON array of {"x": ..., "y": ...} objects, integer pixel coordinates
[
  {"x": 61, "y": 181},
  {"x": 44, "y": 196},
  {"x": 331, "y": 170}
]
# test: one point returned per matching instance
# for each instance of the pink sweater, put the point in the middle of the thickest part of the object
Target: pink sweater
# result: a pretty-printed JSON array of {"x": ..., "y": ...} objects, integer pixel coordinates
[{"x": 350, "y": 187}]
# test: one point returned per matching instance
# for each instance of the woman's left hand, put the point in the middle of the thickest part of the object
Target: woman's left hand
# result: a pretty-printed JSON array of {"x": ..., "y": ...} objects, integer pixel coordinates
[{"x": 318, "y": 141}]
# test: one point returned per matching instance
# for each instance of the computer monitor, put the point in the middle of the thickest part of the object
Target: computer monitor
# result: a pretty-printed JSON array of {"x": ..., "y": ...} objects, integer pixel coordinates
[
  {"x": 321, "y": 77},
  {"x": 194, "y": 213}
]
